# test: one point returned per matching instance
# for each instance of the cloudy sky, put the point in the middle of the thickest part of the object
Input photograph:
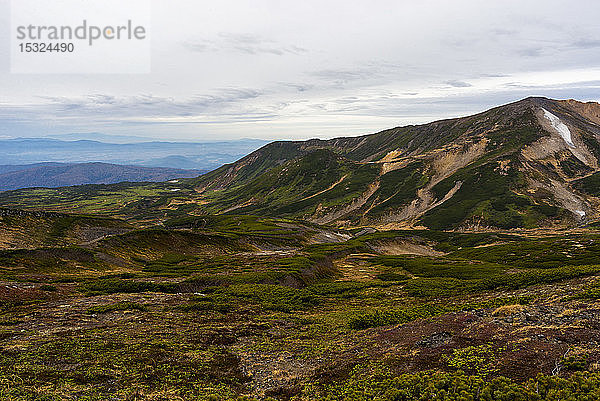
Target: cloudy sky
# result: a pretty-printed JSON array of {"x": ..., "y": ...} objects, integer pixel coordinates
[{"x": 278, "y": 69}]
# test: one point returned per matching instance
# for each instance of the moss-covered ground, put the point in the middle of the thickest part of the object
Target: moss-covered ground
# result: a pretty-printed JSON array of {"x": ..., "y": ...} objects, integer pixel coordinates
[{"x": 223, "y": 307}]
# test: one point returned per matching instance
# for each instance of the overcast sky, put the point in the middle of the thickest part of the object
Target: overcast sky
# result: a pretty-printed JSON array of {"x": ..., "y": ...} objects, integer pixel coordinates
[{"x": 301, "y": 69}]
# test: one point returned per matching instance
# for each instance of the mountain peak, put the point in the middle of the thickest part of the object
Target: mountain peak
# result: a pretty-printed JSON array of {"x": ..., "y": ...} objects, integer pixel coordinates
[{"x": 526, "y": 164}]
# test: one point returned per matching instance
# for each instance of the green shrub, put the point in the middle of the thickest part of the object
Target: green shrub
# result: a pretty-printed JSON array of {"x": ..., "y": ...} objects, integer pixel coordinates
[
  {"x": 337, "y": 288},
  {"x": 477, "y": 360},
  {"x": 592, "y": 292},
  {"x": 385, "y": 317},
  {"x": 376, "y": 382},
  {"x": 439, "y": 267},
  {"x": 446, "y": 287},
  {"x": 267, "y": 296},
  {"x": 576, "y": 362},
  {"x": 392, "y": 276},
  {"x": 273, "y": 297}
]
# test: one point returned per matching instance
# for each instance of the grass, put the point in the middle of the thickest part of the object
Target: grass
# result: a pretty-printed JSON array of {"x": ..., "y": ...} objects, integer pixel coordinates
[
  {"x": 590, "y": 293},
  {"x": 48, "y": 260},
  {"x": 272, "y": 297},
  {"x": 295, "y": 187},
  {"x": 589, "y": 185},
  {"x": 231, "y": 305},
  {"x": 447, "y": 287},
  {"x": 540, "y": 253},
  {"x": 117, "y": 286},
  {"x": 119, "y": 306},
  {"x": 441, "y": 267},
  {"x": 134, "y": 366},
  {"x": 399, "y": 187},
  {"x": 269, "y": 297},
  {"x": 208, "y": 315}
]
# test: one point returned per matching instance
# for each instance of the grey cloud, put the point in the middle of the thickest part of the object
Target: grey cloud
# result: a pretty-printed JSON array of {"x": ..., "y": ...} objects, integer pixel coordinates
[
  {"x": 200, "y": 46},
  {"x": 493, "y": 75},
  {"x": 242, "y": 43},
  {"x": 226, "y": 102},
  {"x": 298, "y": 87},
  {"x": 586, "y": 44},
  {"x": 341, "y": 78},
  {"x": 531, "y": 52},
  {"x": 458, "y": 84},
  {"x": 304, "y": 71},
  {"x": 504, "y": 32}
]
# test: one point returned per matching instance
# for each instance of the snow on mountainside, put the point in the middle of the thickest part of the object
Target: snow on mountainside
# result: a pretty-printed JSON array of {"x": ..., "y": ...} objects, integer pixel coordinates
[
  {"x": 516, "y": 165},
  {"x": 560, "y": 127}
]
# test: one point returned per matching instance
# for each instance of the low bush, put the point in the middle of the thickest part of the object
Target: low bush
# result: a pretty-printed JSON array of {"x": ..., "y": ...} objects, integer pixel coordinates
[
  {"x": 440, "y": 267},
  {"x": 375, "y": 382},
  {"x": 385, "y": 317},
  {"x": 267, "y": 296},
  {"x": 590, "y": 293},
  {"x": 392, "y": 276},
  {"x": 446, "y": 287},
  {"x": 479, "y": 360},
  {"x": 382, "y": 317}
]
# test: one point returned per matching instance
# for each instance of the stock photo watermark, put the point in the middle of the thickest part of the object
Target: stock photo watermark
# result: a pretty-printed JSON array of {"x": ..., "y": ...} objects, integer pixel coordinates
[{"x": 80, "y": 37}]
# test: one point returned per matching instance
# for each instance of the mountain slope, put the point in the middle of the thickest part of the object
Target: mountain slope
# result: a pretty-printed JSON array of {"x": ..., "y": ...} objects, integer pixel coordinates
[
  {"x": 525, "y": 164},
  {"x": 528, "y": 164},
  {"x": 51, "y": 175}
]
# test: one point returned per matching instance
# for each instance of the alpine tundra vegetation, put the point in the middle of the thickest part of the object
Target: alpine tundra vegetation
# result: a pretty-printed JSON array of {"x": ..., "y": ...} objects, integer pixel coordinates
[{"x": 456, "y": 260}]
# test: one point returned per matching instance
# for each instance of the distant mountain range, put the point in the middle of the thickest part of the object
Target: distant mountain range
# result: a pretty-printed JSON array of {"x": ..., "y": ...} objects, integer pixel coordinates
[
  {"x": 181, "y": 155},
  {"x": 51, "y": 175}
]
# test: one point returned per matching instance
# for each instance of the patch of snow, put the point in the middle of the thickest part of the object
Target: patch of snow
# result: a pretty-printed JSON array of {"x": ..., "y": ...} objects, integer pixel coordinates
[
  {"x": 581, "y": 213},
  {"x": 174, "y": 181},
  {"x": 175, "y": 190},
  {"x": 560, "y": 127}
]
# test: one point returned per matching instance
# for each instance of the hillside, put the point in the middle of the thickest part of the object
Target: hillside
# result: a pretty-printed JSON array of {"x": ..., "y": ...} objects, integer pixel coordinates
[
  {"x": 383, "y": 267},
  {"x": 527, "y": 164},
  {"x": 221, "y": 307},
  {"x": 52, "y": 175}
]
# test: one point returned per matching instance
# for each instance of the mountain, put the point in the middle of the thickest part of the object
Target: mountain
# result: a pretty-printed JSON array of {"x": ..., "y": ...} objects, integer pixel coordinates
[
  {"x": 225, "y": 286},
  {"x": 531, "y": 163},
  {"x": 51, "y": 175},
  {"x": 195, "y": 155}
]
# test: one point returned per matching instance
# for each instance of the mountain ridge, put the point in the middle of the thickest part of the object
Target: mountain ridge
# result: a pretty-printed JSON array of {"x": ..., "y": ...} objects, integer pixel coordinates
[
  {"x": 424, "y": 169},
  {"x": 511, "y": 167}
]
